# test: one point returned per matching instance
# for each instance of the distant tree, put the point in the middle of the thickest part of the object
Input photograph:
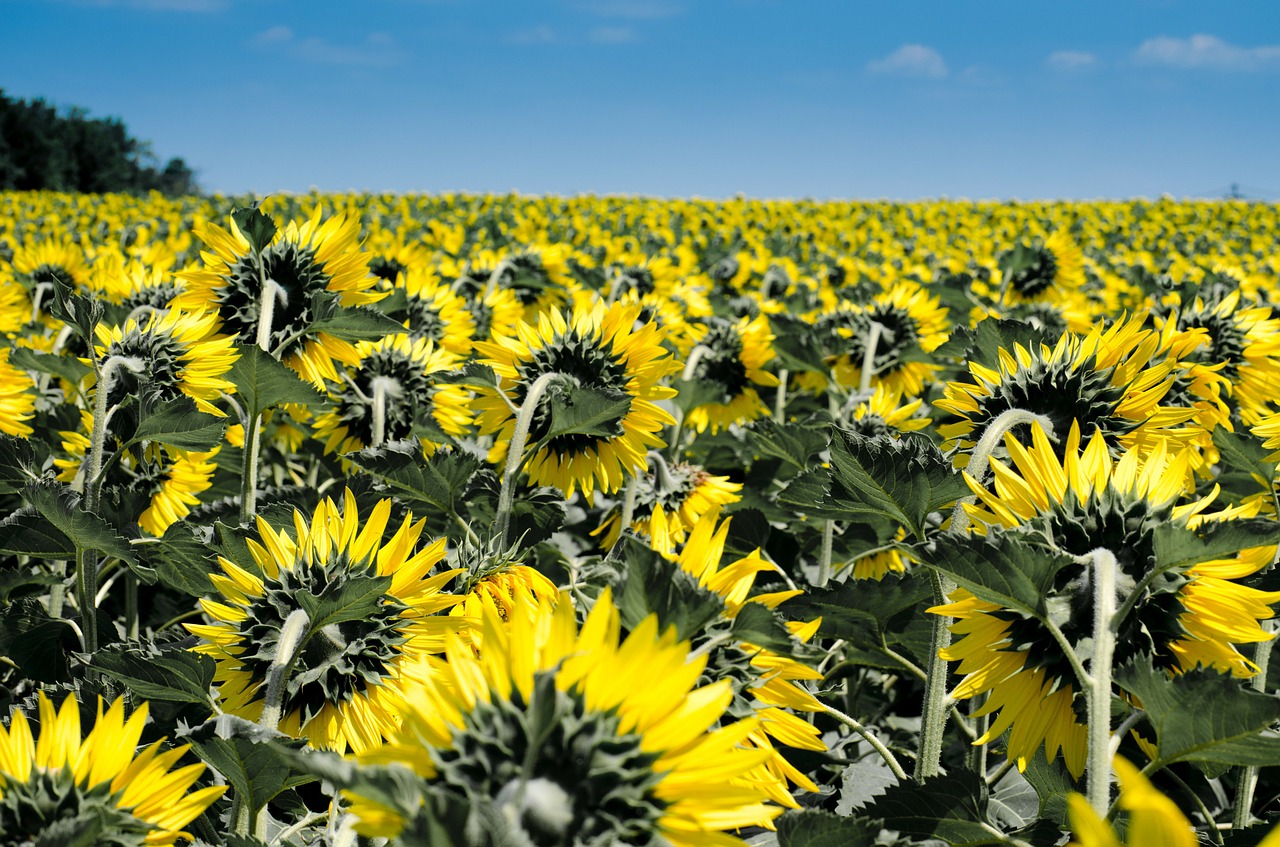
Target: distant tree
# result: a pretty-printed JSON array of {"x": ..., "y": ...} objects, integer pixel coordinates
[{"x": 40, "y": 149}]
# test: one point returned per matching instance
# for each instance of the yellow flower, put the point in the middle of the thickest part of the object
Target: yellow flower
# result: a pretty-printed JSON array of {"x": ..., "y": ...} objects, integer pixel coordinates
[
  {"x": 17, "y": 398},
  {"x": 103, "y": 774},
  {"x": 731, "y": 357}
]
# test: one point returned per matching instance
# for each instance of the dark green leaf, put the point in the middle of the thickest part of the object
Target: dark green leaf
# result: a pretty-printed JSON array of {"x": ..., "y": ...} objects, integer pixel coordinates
[
  {"x": 28, "y": 533},
  {"x": 862, "y": 611},
  {"x": 1178, "y": 547},
  {"x": 582, "y": 410},
  {"x": 952, "y": 808},
  {"x": 81, "y": 313},
  {"x": 257, "y": 228},
  {"x": 1243, "y": 452},
  {"x": 652, "y": 585},
  {"x": 175, "y": 675},
  {"x": 1205, "y": 716},
  {"x": 817, "y": 828},
  {"x": 472, "y": 373},
  {"x": 20, "y": 580},
  {"x": 1006, "y": 568},
  {"x": 182, "y": 561},
  {"x": 61, "y": 507},
  {"x": 354, "y": 323},
  {"x": 796, "y": 444},
  {"x": 440, "y": 481},
  {"x": 178, "y": 423},
  {"x": 17, "y": 464},
  {"x": 795, "y": 346},
  {"x": 38, "y": 644},
  {"x": 762, "y": 627},
  {"x": 253, "y": 760},
  {"x": 64, "y": 367},
  {"x": 262, "y": 382},
  {"x": 1052, "y": 784},
  {"x": 353, "y": 599},
  {"x": 982, "y": 344},
  {"x": 692, "y": 393}
]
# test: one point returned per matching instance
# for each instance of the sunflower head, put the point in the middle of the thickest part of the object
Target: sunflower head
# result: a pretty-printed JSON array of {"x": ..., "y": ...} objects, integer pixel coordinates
[
  {"x": 676, "y": 495},
  {"x": 1037, "y": 273},
  {"x": 347, "y": 666},
  {"x": 730, "y": 358}
]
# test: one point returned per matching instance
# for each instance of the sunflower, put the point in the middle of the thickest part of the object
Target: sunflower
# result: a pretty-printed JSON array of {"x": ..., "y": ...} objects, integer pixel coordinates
[
  {"x": 179, "y": 352},
  {"x": 344, "y": 690},
  {"x": 317, "y": 269},
  {"x": 628, "y": 757},
  {"x": 435, "y": 312},
  {"x": 497, "y": 578},
  {"x": 1047, "y": 273},
  {"x": 17, "y": 398},
  {"x": 732, "y": 360},
  {"x": 911, "y": 325},
  {"x": 60, "y": 776},
  {"x": 40, "y": 264},
  {"x": 401, "y": 368},
  {"x": 677, "y": 495},
  {"x": 1104, "y": 380},
  {"x": 596, "y": 348},
  {"x": 1192, "y": 616},
  {"x": 884, "y": 413}
]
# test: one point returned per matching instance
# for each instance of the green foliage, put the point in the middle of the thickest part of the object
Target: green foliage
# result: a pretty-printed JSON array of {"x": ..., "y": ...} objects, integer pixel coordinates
[
  {"x": 178, "y": 423},
  {"x": 262, "y": 382},
  {"x": 816, "y": 828}
]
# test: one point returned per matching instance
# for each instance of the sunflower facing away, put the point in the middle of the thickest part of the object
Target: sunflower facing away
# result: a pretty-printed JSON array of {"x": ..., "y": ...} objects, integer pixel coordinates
[
  {"x": 343, "y": 692},
  {"x": 1050, "y": 273},
  {"x": 595, "y": 347},
  {"x": 60, "y": 776},
  {"x": 318, "y": 269},
  {"x": 676, "y": 495},
  {"x": 627, "y": 756},
  {"x": 731, "y": 357},
  {"x": 912, "y": 324},
  {"x": 1191, "y": 616}
]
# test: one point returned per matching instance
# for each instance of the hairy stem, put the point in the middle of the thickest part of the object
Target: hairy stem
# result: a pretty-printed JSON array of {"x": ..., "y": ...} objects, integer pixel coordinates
[
  {"x": 869, "y": 358},
  {"x": 383, "y": 387},
  {"x": 934, "y": 717},
  {"x": 292, "y": 635},
  {"x": 515, "y": 455},
  {"x": 780, "y": 399},
  {"x": 980, "y": 457},
  {"x": 876, "y": 744},
  {"x": 824, "y": 561},
  {"x": 1242, "y": 814},
  {"x": 1104, "y": 645}
]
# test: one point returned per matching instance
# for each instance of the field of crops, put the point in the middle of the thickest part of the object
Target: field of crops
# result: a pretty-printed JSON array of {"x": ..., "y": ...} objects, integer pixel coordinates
[{"x": 502, "y": 521}]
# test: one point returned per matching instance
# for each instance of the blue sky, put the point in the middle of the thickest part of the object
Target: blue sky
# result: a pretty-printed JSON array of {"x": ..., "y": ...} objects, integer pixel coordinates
[{"x": 711, "y": 98}]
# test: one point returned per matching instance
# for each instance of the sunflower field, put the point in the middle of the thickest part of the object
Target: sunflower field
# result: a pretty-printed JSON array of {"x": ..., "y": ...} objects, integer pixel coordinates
[{"x": 502, "y": 521}]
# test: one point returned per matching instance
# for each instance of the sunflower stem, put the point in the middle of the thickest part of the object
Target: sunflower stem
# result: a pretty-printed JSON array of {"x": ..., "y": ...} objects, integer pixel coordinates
[
  {"x": 1104, "y": 645},
  {"x": 515, "y": 454},
  {"x": 980, "y": 457},
  {"x": 780, "y": 399},
  {"x": 824, "y": 560},
  {"x": 382, "y": 387},
  {"x": 934, "y": 717},
  {"x": 869, "y": 358},
  {"x": 249, "y": 468},
  {"x": 291, "y": 638},
  {"x": 131, "y": 606},
  {"x": 629, "y": 499},
  {"x": 1242, "y": 813},
  {"x": 876, "y": 744}
]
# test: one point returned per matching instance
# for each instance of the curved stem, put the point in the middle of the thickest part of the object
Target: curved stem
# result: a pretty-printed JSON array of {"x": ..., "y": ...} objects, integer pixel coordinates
[
  {"x": 1104, "y": 645},
  {"x": 980, "y": 457},
  {"x": 515, "y": 454},
  {"x": 691, "y": 364},
  {"x": 869, "y": 358},
  {"x": 271, "y": 292},
  {"x": 291, "y": 638},
  {"x": 1117, "y": 737},
  {"x": 934, "y": 717},
  {"x": 383, "y": 386},
  {"x": 876, "y": 744}
]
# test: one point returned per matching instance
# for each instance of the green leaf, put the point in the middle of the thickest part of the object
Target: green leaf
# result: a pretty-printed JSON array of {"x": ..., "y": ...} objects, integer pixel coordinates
[
  {"x": 1004, "y": 568},
  {"x": 38, "y": 644},
  {"x": 253, "y": 760},
  {"x": 173, "y": 675},
  {"x": 818, "y": 828},
  {"x": 982, "y": 344},
  {"x": 61, "y": 507},
  {"x": 262, "y": 382},
  {"x": 178, "y": 423},
  {"x": 17, "y": 462},
  {"x": 21, "y": 580},
  {"x": 582, "y": 410},
  {"x": 795, "y": 346},
  {"x": 864, "y": 611},
  {"x": 1052, "y": 784},
  {"x": 354, "y": 599},
  {"x": 1243, "y": 453},
  {"x": 763, "y": 627},
  {"x": 81, "y": 313},
  {"x": 795, "y": 444},
  {"x": 692, "y": 393},
  {"x": 952, "y": 808},
  {"x": 901, "y": 479},
  {"x": 27, "y": 533},
  {"x": 182, "y": 561},
  {"x": 1205, "y": 716},
  {"x": 257, "y": 228},
  {"x": 650, "y": 584},
  {"x": 64, "y": 367},
  {"x": 1178, "y": 547},
  {"x": 355, "y": 323},
  {"x": 440, "y": 482},
  {"x": 472, "y": 373},
  {"x": 393, "y": 786}
]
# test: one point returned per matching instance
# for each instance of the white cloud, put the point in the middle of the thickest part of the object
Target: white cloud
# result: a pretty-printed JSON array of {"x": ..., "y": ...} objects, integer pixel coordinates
[
  {"x": 1071, "y": 60},
  {"x": 612, "y": 35},
  {"x": 1206, "y": 51},
  {"x": 911, "y": 60},
  {"x": 374, "y": 50},
  {"x": 540, "y": 34}
]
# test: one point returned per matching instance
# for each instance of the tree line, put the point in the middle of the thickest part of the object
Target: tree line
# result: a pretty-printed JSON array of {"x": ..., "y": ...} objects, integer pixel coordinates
[{"x": 42, "y": 149}]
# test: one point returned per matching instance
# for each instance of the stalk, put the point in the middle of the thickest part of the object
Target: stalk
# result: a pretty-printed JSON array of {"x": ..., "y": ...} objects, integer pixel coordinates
[
  {"x": 629, "y": 501},
  {"x": 515, "y": 455},
  {"x": 1104, "y": 646},
  {"x": 824, "y": 562},
  {"x": 271, "y": 292},
  {"x": 291, "y": 637},
  {"x": 869, "y": 358},
  {"x": 382, "y": 387},
  {"x": 934, "y": 717},
  {"x": 780, "y": 399},
  {"x": 1242, "y": 813}
]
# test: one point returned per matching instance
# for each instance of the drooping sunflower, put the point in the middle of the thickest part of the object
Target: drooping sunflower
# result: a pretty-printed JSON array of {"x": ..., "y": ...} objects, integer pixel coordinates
[
  {"x": 317, "y": 269},
  {"x": 628, "y": 758},
  {"x": 399, "y": 367},
  {"x": 177, "y": 353},
  {"x": 884, "y": 413},
  {"x": 1047, "y": 273},
  {"x": 48, "y": 781},
  {"x": 435, "y": 312},
  {"x": 676, "y": 495},
  {"x": 1105, "y": 380},
  {"x": 17, "y": 398},
  {"x": 344, "y": 691},
  {"x": 1192, "y": 616},
  {"x": 497, "y": 578},
  {"x": 731, "y": 356},
  {"x": 599, "y": 348},
  {"x": 908, "y": 323}
]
